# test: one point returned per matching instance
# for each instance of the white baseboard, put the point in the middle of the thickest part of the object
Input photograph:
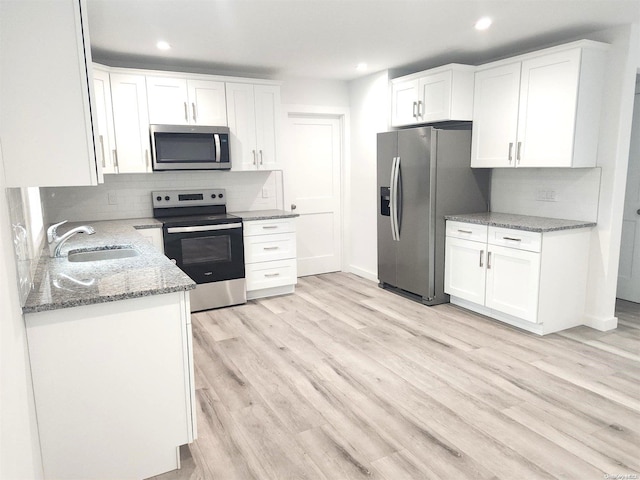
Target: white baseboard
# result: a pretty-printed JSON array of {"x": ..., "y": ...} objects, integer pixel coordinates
[
  {"x": 373, "y": 276},
  {"x": 602, "y": 324}
]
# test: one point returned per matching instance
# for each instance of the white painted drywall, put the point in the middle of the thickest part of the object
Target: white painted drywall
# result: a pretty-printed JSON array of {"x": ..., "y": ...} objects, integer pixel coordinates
[
  {"x": 369, "y": 97},
  {"x": 311, "y": 91}
]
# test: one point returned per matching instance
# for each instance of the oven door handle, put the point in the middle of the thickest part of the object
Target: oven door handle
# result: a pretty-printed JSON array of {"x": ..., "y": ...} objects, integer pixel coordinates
[{"x": 204, "y": 228}]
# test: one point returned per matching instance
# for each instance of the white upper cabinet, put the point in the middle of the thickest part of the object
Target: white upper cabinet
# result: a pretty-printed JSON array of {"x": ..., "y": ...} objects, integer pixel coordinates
[
  {"x": 253, "y": 112},
  {"x": 180, "y": 101},
  {"x": 540, "y": 109},
  {"x": 441, "y": 94},
  {"x": 46, "y": 124},
  {"x": 131, "y": 123},
  {"x": 106, "y": 135}
]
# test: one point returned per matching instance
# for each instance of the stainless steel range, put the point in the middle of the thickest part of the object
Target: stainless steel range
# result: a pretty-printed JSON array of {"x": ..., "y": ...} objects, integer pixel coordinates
[{"x": 205, "y": 242}]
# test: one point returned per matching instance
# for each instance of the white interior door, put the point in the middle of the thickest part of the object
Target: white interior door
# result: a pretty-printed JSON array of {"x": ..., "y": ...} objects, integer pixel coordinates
[
  {"x": 629, "y": 270},
  {"x": 314, "y": 188}
]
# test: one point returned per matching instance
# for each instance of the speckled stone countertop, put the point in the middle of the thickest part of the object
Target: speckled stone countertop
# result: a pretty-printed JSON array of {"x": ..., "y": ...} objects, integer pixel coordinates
[
  {"x": 59, "y": 283},
  {"x": 264, "y": 215},
  {"x": 520, "y": 222}
]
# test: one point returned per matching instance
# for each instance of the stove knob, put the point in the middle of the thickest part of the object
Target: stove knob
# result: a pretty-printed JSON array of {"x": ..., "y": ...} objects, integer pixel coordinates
[
  {"x": 220, "y": 195},
  {"x": 167, "y": 198},
  {"x": 213, "y": 195},
  {"x": 159, "y": 198}
]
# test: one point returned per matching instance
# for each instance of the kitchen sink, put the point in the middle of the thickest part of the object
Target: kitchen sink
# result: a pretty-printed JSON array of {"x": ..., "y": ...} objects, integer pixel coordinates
[{"x": 107, "y": 253}]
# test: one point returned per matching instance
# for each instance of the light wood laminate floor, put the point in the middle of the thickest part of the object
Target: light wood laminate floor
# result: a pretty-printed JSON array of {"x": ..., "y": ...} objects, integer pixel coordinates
[{"x": 343, "y": 380}]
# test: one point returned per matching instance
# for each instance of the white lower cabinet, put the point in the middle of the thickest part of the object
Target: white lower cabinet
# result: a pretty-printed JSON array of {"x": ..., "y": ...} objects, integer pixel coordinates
[
  {"x": 535, "y": 281},
  {"x": 270, "y": 257},
  {"x": 114, "y": 387}
]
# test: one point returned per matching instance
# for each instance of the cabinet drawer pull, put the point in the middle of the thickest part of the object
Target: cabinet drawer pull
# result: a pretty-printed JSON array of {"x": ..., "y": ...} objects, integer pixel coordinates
[
  {"x": 420, "y": 114},
  {"x": 415, "y": 104},
  {"x": 481, "y": 257},
  {"x": 270, "y": 248},
  {"x": 254, "y": 157},
  {"x": 261, "y": 157},
  {"x": 510, "y": 151},
  {"x": 271, "y": 274},
  {"x": 512, "y": 239},
  {"x": 488, "y": 260},
  {"x": 193, "y": 109},
  {"x": 269, "y": 227},
  {"x": 104, "y": 161},
  {"x": 186, "y": 112},
  {"x": 465, "y": 231},
  {"x": 518, "y": 152}
]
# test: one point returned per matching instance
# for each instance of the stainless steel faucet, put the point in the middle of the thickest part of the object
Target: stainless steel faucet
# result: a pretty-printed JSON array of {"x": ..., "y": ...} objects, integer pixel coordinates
[{"x": 56, "y": 242}]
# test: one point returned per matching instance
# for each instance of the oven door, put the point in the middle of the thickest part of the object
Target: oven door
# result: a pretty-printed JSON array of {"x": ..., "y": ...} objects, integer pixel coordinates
[{"x": 207, "y": 253}]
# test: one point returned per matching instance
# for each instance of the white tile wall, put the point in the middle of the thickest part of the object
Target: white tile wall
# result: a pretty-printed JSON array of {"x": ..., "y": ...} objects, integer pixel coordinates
[
  {"x": 129, "y": 195},
  {"x": 577, "y": 190},
  {"x": 27, "y": 253}
]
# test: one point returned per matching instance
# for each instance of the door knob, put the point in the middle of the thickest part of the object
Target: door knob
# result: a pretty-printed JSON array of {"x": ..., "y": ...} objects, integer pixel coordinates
[{"x": 294, "y": 206}]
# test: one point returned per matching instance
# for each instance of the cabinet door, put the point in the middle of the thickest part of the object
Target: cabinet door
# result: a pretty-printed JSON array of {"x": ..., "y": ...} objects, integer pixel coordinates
[
  {"x": 106, "y": 137},
  {"x": 46, "y": 95},
  {"x": 464, "y": 269},
  {"x": 207, "y": 103},
  {"x": 404, "y": 102},
  {"x": 241, "y": 114},
  {"x": 495, "y": 116},
  {"x": 547, "y": 118},
  {"x": 435, "y": 97},
  {"x": 267, "y": 105},
  {"x": 167, "y": 98},
  {"x": 129, "y": 96},
  {"x": 513, "y": 282}
]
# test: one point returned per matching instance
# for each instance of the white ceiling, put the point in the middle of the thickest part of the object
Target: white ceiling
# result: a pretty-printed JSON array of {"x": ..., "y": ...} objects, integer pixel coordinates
[{"x": 327, "y": 38}]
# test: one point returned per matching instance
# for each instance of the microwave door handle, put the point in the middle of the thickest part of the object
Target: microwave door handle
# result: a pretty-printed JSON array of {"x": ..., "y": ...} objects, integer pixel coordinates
[
  {"x": 216, "y": 139},
  {"x": 204, "y": 228}
]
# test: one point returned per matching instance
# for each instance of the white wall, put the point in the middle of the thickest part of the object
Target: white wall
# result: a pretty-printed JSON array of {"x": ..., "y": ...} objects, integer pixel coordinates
[
  {"x": 19, "y": 444},
  {"x": 310, "y": 91},
  {"x": 369, "y": 100}
]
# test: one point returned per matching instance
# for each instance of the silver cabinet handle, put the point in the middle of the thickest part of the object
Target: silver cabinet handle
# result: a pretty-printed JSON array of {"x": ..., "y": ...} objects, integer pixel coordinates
[
  {"x": 193, "y": 109},
  {"x": 488, "y": 260},
  {"x": 465, "y": 231},
  {"x": 269, "y": 227},
  {"x": 518, "y": 151},
  {"x": 294, "y": 206},
  {"x": 261, "y": 159},
  {"x": 115, "y": 160},
  {"x": 512, "y": 239},
  {"x": 254, "y": 156},
  {"x": 415, "y": 104},
  {"x": 104, "y": 160},
  {"x": 270, "y": 248},
  {"x": 481, "y": 258},
  {"x": 420, "y": 113},
  {"x": 510, "y": 151},
  {"x": 271, "y": 274},
  {"x": 186, "y": 112}
]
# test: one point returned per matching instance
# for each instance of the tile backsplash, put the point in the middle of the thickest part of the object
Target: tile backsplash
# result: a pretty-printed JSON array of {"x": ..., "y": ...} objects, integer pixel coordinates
[
  {"x": 129, "y": 195},
  {"x": 25, "y": 214},
  {"x": 570, "y": 193}
]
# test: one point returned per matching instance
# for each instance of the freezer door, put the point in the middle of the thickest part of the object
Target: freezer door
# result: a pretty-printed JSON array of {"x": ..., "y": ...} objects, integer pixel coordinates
[
  {"x": 387, "y": 151},
  {"x": 416, "y": 205}
]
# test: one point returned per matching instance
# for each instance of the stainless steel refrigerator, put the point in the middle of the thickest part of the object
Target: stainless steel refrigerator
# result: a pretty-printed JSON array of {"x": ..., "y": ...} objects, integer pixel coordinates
[{"x": 423, "y": 174}]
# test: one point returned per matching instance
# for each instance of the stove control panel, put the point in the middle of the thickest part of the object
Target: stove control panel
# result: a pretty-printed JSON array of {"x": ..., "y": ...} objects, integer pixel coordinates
[{"x": 189, "y": 198}]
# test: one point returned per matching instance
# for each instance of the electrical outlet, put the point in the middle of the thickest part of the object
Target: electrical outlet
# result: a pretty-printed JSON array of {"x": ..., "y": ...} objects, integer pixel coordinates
[
  {"x": 541, "y": 195},
  {"x": 546, "y": 195},
  {"x": 551, "y": 196},
  {"x": 113, "y": 198}
]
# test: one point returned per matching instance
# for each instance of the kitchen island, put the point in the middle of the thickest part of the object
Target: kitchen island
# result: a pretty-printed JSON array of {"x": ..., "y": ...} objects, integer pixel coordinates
[{"x": 110, "y": 347}]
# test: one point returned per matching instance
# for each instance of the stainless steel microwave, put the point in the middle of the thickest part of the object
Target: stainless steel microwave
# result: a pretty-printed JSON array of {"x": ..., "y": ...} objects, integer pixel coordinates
[{"x": 190, "y": 147}]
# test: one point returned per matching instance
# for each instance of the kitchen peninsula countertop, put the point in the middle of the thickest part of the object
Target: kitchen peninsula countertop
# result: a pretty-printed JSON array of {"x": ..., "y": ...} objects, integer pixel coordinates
[
  {"x": 59, "y": 283},
  {"x": 264, "y": 214},
  {"x": 520, "y": 222}
]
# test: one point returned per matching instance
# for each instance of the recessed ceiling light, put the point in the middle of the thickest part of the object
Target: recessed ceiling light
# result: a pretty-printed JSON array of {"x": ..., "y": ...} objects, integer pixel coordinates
[
  {"x": 483, "y": 23},
  {"x": 162, "y": 45},
  {"x": 361, "y": 67}
]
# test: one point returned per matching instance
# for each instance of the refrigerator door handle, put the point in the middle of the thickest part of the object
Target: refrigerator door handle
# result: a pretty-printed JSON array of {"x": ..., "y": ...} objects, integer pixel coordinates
[
  {"x": 396, "y": 205},
  {"x": 392, "y": 199}
]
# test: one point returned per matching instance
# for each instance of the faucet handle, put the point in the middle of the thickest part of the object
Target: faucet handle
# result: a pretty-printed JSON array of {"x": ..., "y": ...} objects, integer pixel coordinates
[{"x": 52, "y": 231}]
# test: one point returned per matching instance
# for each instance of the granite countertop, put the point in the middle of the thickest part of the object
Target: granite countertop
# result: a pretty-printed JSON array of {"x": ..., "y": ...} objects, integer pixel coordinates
[
  {"x": 59, "y": 283},
  {"x": 264, "y": 214},
  {"x": 520, "y": 222}
]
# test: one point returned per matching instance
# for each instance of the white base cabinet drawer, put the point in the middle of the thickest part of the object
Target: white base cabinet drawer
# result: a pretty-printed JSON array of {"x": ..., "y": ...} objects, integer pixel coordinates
[
  {"x": 264, "y": 248},
  {"x": 271, "y": 274},
  {"x": 518, "y": 239},
  {"x": 466, "y": 231},
  {"x": 267, "y": 227}
]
